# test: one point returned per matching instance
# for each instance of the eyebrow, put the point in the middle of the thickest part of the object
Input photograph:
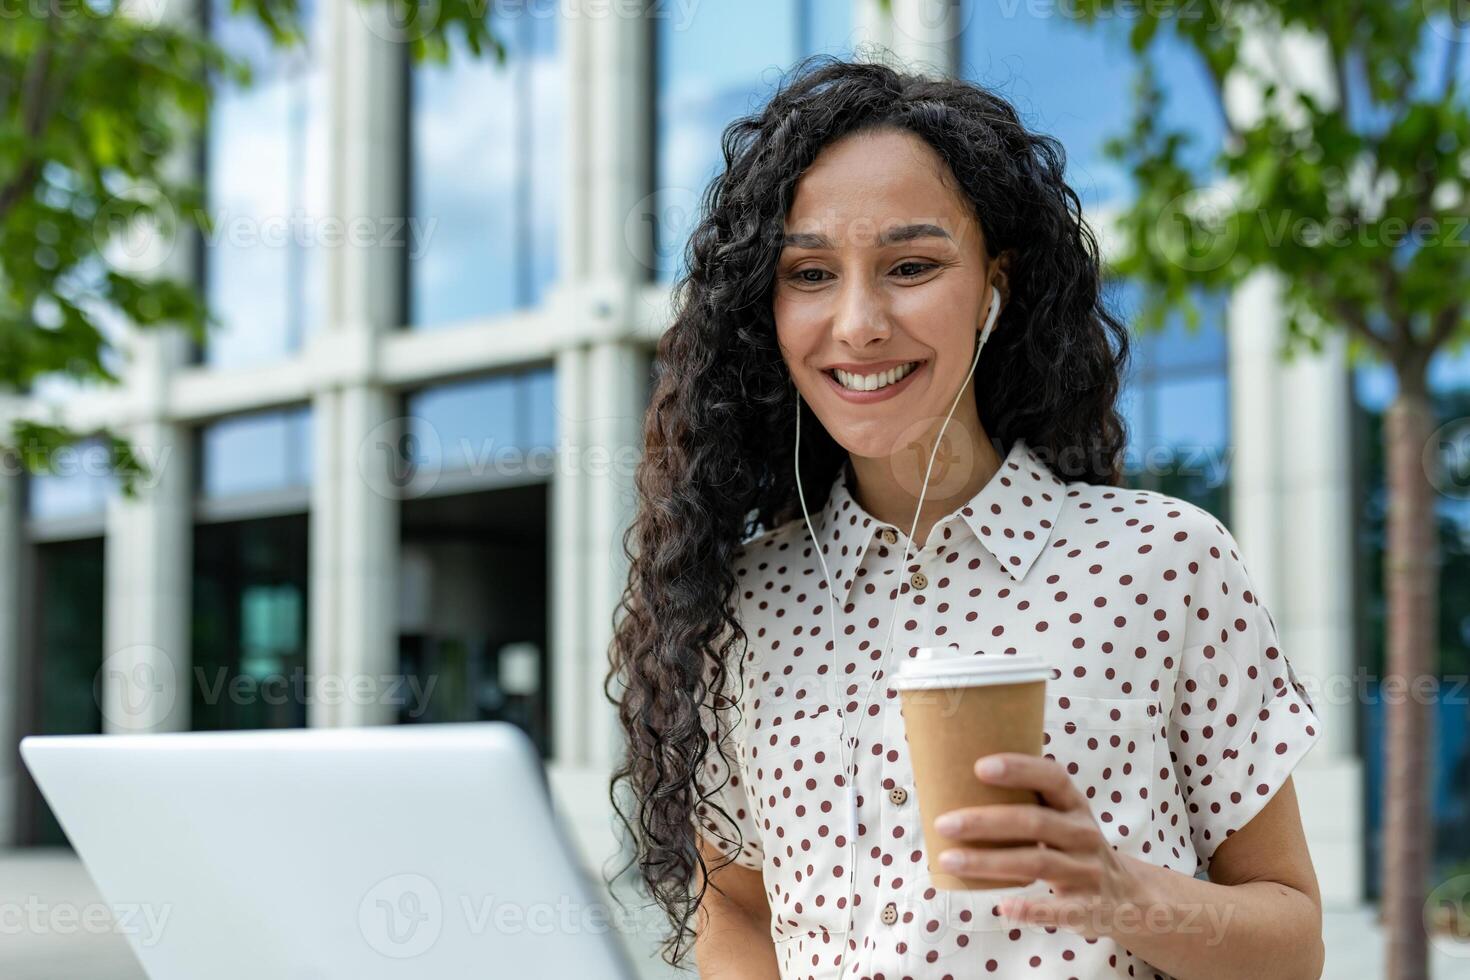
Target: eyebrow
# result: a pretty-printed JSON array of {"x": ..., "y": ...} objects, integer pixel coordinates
[{"x": 905, "y": 233}]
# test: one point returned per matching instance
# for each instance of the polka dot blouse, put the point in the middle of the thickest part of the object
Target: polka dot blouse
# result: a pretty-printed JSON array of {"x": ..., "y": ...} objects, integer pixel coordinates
[{"x": 1170, "y": 703}]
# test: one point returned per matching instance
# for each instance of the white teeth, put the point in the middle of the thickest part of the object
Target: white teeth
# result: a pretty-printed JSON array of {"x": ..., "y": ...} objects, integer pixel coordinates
[{"x": 872, "y": 382}]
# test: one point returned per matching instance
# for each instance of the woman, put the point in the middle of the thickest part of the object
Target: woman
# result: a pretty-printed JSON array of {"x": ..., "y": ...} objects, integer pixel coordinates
[{"x": 892, "y": 300}]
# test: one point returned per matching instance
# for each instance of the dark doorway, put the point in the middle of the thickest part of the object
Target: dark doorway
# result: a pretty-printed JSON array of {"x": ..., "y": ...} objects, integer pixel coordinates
[
  {"x": 66, "y": 655},
  {"x": 473, "y": 611},
  {"x": 249, "y": 624}
]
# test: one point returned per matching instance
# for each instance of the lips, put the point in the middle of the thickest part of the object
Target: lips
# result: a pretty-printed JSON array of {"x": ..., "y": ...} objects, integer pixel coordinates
[
  {"x": 873, "y": 380},
  {"x": 879, "y": 394}
]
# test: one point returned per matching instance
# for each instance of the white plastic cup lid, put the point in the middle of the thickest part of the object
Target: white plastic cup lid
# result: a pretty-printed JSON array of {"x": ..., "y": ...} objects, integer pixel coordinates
[{"x": 946, "y": 665}]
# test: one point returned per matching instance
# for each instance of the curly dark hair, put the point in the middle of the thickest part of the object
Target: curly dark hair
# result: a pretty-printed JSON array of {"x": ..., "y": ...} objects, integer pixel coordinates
[{"x": 718, "y": 433}]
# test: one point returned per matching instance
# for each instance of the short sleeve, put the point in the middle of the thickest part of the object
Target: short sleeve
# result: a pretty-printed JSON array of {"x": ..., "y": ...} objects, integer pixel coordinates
[
  {"x": 719, "y": 785},
  {"x": 1240, "y": 720}
]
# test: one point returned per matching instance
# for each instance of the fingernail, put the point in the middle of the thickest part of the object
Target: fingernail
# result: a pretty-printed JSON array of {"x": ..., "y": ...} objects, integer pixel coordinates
[
  {"x": 990, "y": 766},
  {"x": 947, "y": 823},
  {"x": 951, "y": 860}
]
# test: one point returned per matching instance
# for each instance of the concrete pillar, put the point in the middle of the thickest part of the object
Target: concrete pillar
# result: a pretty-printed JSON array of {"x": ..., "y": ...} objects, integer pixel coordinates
[
  {"x": 581, "y": 153},
  {"x": 873, "y": 33},
  {"x": 925, "y": 34},
  {"x": 1255, "y": 426},
  {"x": 616, "y": 101},
  {"x": 354, "y": 549},
  {"x": 354, "y": 552},
  {"x": 1316, "y": 620},
  {"x": 1291, "y": 486},
  {"x": 147, "y": 664},
  {"x": 10, "y": 652},
  {"x": 1316, "y": 504},
  {"x": 570, "y": 537},
  {"x": 1291, "y": 512},
  {"x": 616, "y": 383},
  {"x": 580, "y": 51},
  {"x": 615, "y": 98}
]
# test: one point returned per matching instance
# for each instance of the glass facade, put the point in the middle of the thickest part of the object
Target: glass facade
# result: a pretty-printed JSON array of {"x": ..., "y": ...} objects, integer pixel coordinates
[
  {"x": 723, "y": 63},
  {"x": 482, "y": 195},
  {"x": 486, "y": 173},
  {"x": 266, "y": 193},
  {"x": 1017, "y": 49},
  {"x": 80, "y": 485},
  {"x": 1374, "y": 389},
  {"x": 256, "y": 453},
  {"x": 1176, "y": 396},
  {"x": 249, "y": 612},
  {"x": 474, "y": 573},
  {"x": 491, "y": 426},
  {"x": 1176, "y": 403}
]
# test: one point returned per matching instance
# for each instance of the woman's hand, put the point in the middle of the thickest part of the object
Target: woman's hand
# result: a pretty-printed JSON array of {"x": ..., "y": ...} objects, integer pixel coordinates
[{"x": 1097, "y": 890}]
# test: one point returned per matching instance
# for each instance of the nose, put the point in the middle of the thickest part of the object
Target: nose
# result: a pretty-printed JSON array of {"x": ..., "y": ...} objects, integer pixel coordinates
[{"x": 860, "y": 318}]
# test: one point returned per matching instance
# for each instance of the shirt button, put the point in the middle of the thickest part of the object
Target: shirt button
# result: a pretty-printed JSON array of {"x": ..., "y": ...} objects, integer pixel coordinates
[
  {"x": 898, "y": 795},
  {"x": 890, "y": 914},
  {"x": 888, "y": 536},
  {"x": 918, "y": 580}
]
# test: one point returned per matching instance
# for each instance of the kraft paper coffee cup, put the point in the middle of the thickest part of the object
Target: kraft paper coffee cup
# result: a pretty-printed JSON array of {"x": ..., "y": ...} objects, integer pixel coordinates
[{"x": 956, "y": 708}]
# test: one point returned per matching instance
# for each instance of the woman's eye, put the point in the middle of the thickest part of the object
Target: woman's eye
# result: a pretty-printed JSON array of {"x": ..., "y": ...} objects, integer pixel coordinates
[
  {"x": 915, "y": 268},
  {"x": 904, "y": 270}
]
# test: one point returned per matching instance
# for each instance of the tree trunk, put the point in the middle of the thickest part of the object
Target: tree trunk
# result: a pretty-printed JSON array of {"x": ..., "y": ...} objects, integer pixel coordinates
[{"x": 1411, "y": 573}]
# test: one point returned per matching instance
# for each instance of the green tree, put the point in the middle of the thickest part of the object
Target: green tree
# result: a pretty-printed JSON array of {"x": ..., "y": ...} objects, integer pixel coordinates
[
  {"x": 1353, "y": 194},
  {"x": 97, "y": 100},
  {"x": 1450, "y": 836}
]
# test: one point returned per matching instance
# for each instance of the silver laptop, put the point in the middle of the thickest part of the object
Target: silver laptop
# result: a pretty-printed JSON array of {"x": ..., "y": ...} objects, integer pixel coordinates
[{"x": 427, "y": 851}]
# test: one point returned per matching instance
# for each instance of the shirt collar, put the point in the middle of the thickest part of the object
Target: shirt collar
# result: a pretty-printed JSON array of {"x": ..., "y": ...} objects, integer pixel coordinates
[{"x": 1012, "y": 516}]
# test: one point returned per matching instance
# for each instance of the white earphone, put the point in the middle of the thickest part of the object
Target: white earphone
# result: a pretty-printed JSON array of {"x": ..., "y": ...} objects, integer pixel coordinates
[{"x": 849, "y": 773}]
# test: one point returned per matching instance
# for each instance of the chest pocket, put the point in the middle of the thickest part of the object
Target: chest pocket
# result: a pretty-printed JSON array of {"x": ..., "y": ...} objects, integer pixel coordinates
[{"x": 1108, "y": 747}]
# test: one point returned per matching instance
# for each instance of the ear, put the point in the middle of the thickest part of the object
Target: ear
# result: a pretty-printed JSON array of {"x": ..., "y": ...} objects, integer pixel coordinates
[{"x": 1001, "y": 277}]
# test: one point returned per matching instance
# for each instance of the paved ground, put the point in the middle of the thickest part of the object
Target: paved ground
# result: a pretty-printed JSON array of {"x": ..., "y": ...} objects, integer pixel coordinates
[
  {"x": 51, "y": 890},
  {"x": 47, "y": 901}
]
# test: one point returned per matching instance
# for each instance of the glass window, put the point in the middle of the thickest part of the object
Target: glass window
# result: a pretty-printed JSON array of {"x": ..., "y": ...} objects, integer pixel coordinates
[
  {"x": 249, "y": 624},
  {"x": 255, "y": 453},
  {"x": 1190, "y": 413},
  {"x": 469, "y": 425},
  {"x": 538, "y": 398},
  {"x": 487, "y": 172},
  {"x": 1176, "y": 348},
  {"x": 1075, "y": 81},
  {"x": 722, "y": 63},
  {"x": 80, "y": 484},
  {"x": 1176, "y": 402},
  {"x": 266, "y": 193}
]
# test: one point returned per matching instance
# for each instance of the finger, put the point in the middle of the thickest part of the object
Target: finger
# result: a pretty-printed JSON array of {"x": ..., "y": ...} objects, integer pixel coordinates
[
  {"x": 1036, "y": 772},
  {"x": 1066, "y": 872},
  {"x": 1020, "y": 823}
]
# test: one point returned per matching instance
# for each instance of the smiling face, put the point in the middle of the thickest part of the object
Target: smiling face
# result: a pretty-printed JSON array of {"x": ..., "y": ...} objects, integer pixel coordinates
[{"x": 881, "y": 288}]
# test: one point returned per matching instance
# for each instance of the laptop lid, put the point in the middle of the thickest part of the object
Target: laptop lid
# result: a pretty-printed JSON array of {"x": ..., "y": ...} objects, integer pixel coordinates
[{"x": 429, "y": 852}]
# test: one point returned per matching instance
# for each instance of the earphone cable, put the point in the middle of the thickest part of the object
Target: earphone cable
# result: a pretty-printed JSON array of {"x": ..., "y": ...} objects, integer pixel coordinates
[{"x": 848, "y": 768}]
